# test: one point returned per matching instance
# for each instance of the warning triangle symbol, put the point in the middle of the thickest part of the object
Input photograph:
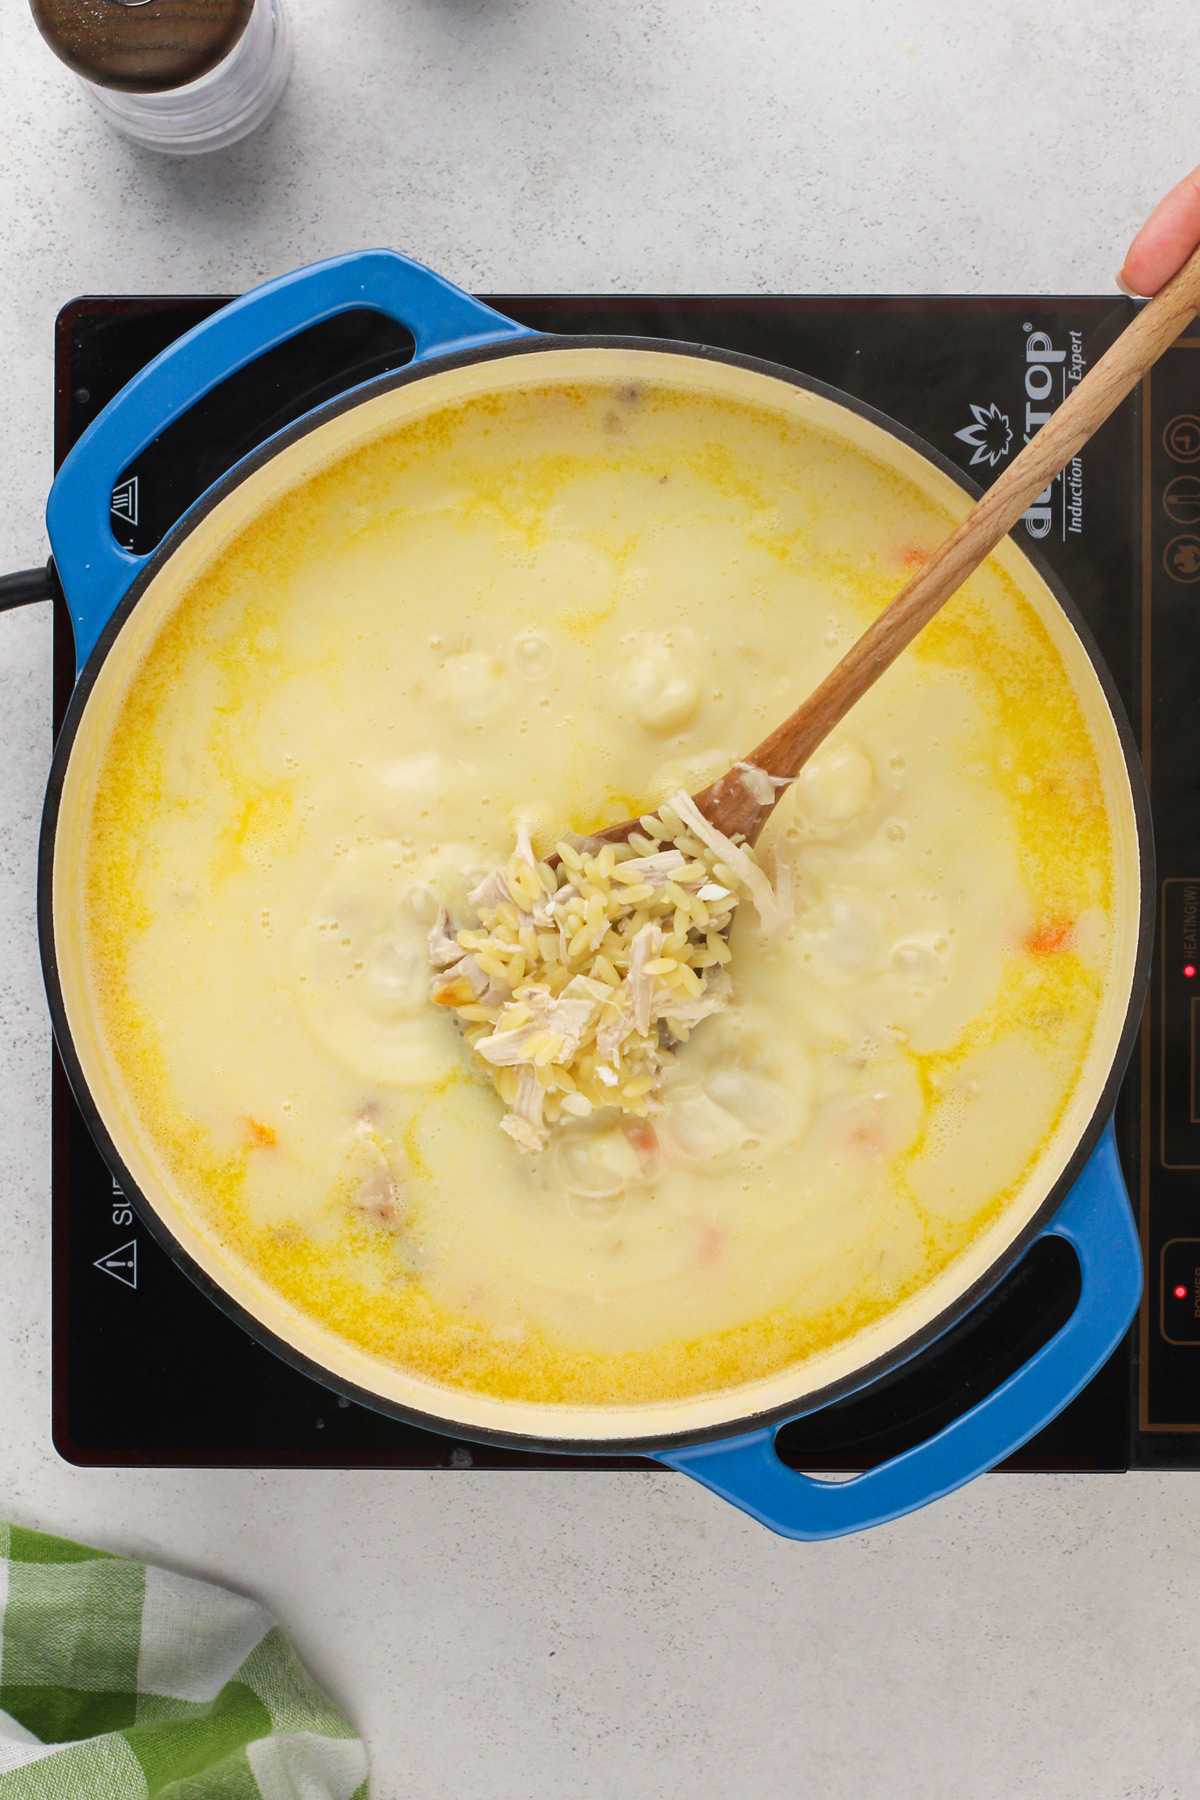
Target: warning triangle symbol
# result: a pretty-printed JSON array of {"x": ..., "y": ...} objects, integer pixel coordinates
[
  {"x": 125, "y": 500},
  {"x": 121, "y": 1264}
]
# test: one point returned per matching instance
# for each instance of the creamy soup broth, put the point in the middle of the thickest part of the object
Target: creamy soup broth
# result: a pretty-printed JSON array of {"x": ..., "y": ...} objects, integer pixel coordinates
[{"x": 558, "y": 605}]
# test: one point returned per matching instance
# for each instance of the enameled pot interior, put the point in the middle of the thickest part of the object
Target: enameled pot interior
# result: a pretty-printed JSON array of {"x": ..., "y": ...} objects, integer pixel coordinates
[{"x": 130, "y": 1144}]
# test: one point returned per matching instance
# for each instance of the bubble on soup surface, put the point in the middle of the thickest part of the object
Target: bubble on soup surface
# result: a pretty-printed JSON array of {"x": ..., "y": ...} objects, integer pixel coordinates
[
  {"x": 596, "y": 1163},
  {"x": 421, "y": 904},
  {"x": 836, "y": 785},
  {"x": 388, "y": 800},
  {"x": 475, "y": 685},
  {"x": 362, "y": 975},
  {"x": 416, "y": 774},
  {"x": 595, "y": 1209},
  {"x": 755, "y": 1102},
  {"x": 847, "y": 940},
  {"x": 661, "y": 690},
  {"x": 532, "y": 655},
  {"x": 915, "y": 964},
  {"x": 398, "y": 973},
  {"x": 701, "y": 1129}
]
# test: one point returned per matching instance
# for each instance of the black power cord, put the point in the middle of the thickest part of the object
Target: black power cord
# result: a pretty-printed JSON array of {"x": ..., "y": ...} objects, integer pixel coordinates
[{"x": 28, "y": 585}]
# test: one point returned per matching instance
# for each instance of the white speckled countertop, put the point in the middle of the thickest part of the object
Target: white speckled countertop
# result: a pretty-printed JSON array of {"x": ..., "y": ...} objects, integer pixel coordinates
[{"x": 504, "y": 1636}]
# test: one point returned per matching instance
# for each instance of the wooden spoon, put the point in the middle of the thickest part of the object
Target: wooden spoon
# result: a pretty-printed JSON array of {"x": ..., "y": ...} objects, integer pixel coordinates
[{"x": 729, "y": 803}]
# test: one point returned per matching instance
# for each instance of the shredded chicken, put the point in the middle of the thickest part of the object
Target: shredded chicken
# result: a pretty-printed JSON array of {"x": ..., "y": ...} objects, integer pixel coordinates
[
  {"x": 733, "y": 860},
  {"x": 378, "y": 1198},
  {"x": 579, "y": 981}
]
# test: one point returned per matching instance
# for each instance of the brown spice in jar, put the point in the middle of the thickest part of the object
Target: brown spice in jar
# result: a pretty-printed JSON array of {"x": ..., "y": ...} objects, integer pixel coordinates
[{"x": 145, "y": 47}]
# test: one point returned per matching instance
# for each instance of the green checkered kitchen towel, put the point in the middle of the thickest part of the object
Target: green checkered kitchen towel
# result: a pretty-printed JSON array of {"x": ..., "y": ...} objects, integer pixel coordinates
[{"x": 119, "y": 1681}]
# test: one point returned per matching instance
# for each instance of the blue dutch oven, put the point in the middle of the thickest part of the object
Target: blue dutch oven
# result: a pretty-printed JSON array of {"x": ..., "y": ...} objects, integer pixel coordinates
[{"x": 735, "y": 1455}]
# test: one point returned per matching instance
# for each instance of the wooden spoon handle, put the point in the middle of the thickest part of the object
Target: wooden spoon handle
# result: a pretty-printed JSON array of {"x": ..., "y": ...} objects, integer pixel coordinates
[{"x": 1083, "y": 411}]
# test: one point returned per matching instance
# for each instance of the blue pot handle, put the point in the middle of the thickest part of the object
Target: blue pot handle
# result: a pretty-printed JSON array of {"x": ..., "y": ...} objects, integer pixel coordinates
[
  {"x": 95, "y": 571},
  {"x": 1096, "y": 1221}
]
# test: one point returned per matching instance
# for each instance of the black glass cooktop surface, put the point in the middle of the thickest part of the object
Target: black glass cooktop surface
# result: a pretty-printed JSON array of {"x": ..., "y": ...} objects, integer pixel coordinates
[{"x": 149, "y": 1371}]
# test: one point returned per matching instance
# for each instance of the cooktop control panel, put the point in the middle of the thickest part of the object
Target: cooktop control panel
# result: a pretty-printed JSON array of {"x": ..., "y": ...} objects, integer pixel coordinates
[{"x": 1169, "y": 1350}]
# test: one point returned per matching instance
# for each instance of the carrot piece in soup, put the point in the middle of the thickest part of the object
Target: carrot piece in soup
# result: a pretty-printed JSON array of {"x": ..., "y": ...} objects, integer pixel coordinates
[
  {"x": 1054, "y": 935},
  {"x": 711, "y": 1247},
  {"x": 643, "y": 1137},
  {"x": 913, "y": 556}
]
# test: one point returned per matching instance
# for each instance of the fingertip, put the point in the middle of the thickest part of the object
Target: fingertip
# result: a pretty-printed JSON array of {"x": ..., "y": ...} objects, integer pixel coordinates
[
  {"x": 1165, "y": 241},
  {"x": 1130, "y": 293}
]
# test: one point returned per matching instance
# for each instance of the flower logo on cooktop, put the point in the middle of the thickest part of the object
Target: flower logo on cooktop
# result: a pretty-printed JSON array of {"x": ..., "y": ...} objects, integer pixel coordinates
[{"x": 990, "y": 435}]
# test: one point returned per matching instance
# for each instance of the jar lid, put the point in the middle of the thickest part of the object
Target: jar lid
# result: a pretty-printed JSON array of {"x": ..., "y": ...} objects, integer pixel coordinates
[{"x": 142, "y": 46}]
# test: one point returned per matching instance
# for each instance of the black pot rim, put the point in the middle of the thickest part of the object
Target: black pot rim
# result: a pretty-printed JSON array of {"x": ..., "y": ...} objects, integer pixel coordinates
[{"x": 609, "y": 1446}]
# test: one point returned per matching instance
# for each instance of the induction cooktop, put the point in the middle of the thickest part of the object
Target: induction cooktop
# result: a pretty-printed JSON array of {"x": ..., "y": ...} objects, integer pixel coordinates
[{"x": 148, "y": 1371}]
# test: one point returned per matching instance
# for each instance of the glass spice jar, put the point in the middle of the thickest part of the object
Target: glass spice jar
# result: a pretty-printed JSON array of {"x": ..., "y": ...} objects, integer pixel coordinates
[{"x": 178, "y": 76}]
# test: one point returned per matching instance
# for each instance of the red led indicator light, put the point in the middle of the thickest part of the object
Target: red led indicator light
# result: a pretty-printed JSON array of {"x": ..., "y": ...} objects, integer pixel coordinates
[
  {"x": 1189, "y": 970},
  {"x": 1181, "y": 1292}
]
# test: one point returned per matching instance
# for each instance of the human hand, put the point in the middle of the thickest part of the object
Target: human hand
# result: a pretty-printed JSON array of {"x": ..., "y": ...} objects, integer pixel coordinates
[{"x": 1165, "y": 241}]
